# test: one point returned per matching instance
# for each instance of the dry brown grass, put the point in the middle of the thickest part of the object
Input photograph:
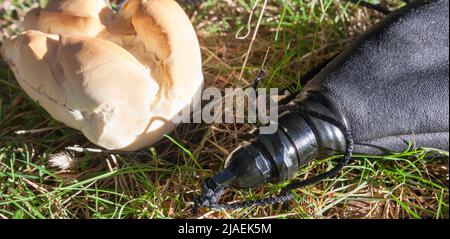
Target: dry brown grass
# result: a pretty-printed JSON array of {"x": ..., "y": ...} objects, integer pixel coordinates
[{"x": 162, "y": 181}]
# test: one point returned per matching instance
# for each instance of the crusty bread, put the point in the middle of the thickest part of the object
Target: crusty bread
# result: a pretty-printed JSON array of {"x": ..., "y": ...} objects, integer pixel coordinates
[
  {"x": 122, "y": 84},
  {"x": 77, "y": 17}
]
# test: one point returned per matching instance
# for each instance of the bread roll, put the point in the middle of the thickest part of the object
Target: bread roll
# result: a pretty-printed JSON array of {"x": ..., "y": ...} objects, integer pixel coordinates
[{"x": 123, "y": 82}]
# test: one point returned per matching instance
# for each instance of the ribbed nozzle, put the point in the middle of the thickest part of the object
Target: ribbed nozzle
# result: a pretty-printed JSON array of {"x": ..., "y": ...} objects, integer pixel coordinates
[{"x": 298, "y": 140}]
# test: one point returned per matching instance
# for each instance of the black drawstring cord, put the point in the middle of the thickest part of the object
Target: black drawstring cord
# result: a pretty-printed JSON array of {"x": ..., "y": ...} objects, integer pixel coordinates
[{"x": 212, "y": 193}]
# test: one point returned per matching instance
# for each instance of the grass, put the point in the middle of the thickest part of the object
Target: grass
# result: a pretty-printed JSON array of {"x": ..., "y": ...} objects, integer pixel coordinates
[{"x": 162, "y": 181}]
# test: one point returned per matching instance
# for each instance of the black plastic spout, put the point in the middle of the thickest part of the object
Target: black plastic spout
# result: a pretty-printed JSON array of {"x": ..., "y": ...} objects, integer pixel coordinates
[
  {"x": 387, "y": 90},
  {"x": 298, "y": 140},
  {"x": 391, "y": 85}
]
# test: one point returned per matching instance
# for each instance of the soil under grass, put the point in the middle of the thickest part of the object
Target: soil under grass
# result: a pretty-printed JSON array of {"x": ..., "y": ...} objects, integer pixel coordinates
[{"x": 162, "y": 181}]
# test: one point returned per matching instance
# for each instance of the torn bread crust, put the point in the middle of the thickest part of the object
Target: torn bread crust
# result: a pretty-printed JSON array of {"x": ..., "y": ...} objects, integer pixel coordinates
[
  {"x": 69, "y": 17},
  {"x": 92, "y": 97},
  {"x": 122, "y": 83}
]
